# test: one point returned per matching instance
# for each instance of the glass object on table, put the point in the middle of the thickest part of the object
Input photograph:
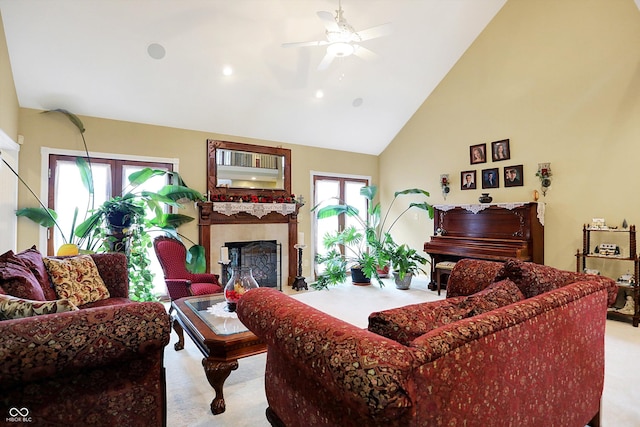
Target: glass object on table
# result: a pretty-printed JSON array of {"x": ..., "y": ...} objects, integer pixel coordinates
[{"x": 241, "y": 281}]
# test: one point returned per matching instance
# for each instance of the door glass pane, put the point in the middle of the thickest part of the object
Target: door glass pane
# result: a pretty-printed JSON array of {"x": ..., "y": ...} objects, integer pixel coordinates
[
  {"x": 153, "y": 184},
  {"x": 326, "y": 193},
  {"x": 352, "y": 197},
  {"x": 70, "y": 194}
]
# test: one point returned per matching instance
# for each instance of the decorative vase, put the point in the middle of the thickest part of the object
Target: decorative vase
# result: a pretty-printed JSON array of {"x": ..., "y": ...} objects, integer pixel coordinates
[
  {"x": 485, "y": 198},
  {"x": 404, "y": 283},
  {"x": 241, "y": 282}
]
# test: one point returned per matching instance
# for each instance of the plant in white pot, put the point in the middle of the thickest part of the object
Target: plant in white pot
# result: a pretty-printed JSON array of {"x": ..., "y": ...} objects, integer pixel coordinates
[{"x": 406, "y": 262}]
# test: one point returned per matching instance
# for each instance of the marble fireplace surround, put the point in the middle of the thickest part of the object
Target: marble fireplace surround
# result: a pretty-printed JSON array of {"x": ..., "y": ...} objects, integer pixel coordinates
[{"x": 221, "y": 222}]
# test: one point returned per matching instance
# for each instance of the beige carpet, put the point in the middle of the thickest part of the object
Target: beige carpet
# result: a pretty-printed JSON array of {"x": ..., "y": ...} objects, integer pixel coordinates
[{"x": 189, "y": 394}]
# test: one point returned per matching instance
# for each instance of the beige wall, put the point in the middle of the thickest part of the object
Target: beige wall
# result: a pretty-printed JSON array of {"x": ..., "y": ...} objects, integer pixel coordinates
[
  {"x": 561, "y": 80},
  {"x": 110, "y": 136},
  {"x": 8, "y": 98}
]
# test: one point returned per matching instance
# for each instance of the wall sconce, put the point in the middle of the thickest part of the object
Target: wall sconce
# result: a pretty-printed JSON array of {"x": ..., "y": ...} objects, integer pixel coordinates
[
  {"x": 444, "y": 183},
  {"x": 544, "y": 173}
]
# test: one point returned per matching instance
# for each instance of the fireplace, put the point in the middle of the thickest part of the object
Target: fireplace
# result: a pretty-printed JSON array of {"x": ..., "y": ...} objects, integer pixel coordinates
[
  {"x": 264, "y": 257},
  {"x": 244, "y": 222}
]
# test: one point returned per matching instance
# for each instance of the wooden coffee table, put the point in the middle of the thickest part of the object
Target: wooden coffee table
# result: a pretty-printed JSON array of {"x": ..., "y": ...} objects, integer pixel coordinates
[{"x": 222, "y": 339}]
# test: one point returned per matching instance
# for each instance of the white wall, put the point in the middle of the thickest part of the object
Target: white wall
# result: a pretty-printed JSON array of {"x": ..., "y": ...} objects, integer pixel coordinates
[{"x": 8, "y": 193}]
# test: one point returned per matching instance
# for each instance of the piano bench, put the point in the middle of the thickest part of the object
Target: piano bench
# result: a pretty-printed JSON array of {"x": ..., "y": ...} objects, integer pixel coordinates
[{"x": 443, "y": 267}]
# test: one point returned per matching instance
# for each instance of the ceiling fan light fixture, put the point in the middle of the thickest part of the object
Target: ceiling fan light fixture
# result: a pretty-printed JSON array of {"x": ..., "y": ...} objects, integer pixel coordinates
[{"x": 340, "y": 49}]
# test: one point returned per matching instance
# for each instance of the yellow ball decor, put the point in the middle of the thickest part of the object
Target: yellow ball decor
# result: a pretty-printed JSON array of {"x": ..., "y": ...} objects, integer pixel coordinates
[{"x": 68, "y": 249}]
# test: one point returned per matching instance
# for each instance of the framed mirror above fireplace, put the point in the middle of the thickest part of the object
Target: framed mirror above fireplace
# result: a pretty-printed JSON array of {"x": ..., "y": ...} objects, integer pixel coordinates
[
  {"x": 243, "y": 209},
  {"x": 238, "y": 168}
]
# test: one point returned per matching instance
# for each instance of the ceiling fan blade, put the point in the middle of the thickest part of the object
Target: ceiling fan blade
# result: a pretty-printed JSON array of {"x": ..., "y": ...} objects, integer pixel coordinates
[
  {"x": 326, "y": 61},
  {"x": 328, "y": 20},
  {"x": 303, "y": 44},
  {"x": 364, "y": 53},
  {"x": 375, "y": 32}
]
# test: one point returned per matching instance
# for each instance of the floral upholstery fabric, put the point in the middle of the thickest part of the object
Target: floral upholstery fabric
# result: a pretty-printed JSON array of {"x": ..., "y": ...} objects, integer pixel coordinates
[
  {"x": 17, "y": 279},
  {"x": 366, "y": 374},
  {"x": 16, "y": 308},
  {"x": 534, "y": 279},
  {"x": 77, "y": 279},
  {"x": 32, "y": 258},
  {"x": 496, "y": 295},
  {"x": 404, "y": 324},
  {"x": 98, "y": 366},
  {"x": 471, "y": 275},
  {"x": 101, "y": 365},
  {"x": 522, "y": 364}
]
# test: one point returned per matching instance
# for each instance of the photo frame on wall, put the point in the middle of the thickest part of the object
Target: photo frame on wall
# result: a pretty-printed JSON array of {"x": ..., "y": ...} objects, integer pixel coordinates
[
  {"x": 490, "y": 178},
  {"x": 468, "y": 180},
  {"x": 513, "y": 176},
  {"x": 500, "y": 150},
  {"x": 478, "y": 153}
]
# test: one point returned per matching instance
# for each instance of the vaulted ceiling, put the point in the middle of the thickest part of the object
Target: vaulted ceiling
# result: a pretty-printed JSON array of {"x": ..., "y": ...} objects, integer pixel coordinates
[{"x": 98, "y": 58}]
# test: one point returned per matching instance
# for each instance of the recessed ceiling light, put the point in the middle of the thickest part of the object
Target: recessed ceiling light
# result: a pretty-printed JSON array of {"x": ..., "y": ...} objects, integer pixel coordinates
[
  {"x": 227, "y": 70},
  {"x": 156, "y": 51},
  {"x": 319, "y": 94}
]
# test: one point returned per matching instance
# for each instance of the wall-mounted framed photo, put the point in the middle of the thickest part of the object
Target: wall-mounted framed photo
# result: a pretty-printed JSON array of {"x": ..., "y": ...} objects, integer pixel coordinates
[
  {"x": 513, "y": 176},
  {"x": 468, "y": 180},
  {"x": 500, "y": 150},
  {"x": 490, "y": 178},
  {"x": 478, "y": 153}
]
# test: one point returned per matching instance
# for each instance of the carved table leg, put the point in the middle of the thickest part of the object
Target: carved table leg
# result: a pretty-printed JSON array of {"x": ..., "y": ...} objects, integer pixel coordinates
[
  {"x": 217, "y": 373},
  {"x": 176, "y": 327}
]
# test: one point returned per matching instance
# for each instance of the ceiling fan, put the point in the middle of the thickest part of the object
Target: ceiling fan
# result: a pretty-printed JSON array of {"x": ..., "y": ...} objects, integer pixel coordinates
[{"x": 342, "y": 39}]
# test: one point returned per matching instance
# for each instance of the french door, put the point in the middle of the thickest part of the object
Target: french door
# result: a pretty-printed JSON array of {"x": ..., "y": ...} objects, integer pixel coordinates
[
  {"x": 330, "y": 190},
  {"x": 110, "y": 178}
]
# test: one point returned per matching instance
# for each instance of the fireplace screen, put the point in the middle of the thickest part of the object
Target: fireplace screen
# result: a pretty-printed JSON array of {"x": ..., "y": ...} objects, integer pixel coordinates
[{"x": 264, "y": 257}]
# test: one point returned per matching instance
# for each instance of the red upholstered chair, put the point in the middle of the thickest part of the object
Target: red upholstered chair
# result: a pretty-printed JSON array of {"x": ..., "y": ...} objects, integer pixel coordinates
[{"x": 180, "y": 282}]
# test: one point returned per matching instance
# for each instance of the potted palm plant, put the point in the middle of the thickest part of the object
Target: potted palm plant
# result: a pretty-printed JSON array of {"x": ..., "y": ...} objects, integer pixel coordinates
[{"x": 375, "y": 234}]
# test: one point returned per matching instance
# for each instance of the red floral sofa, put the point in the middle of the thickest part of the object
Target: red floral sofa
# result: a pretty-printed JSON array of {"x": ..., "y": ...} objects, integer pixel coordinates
[
  {"x": 99, "y": 365},
  {"x": 526, "y": 348}
]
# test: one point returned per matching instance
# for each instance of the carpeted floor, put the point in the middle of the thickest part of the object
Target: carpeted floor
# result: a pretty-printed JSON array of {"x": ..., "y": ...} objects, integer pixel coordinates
[{"x": 189, "y": 394}]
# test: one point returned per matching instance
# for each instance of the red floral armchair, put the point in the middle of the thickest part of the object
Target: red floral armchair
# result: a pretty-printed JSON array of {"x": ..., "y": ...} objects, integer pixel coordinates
[{"x": 180, "y": 282}]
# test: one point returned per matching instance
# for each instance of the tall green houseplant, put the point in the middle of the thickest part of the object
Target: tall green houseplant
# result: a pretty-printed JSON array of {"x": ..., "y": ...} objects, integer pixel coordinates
[{"x": 376, "y": 233}]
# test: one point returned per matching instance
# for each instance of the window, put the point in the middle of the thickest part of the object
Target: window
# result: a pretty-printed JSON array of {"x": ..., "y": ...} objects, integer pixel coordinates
[
  {"x": 332, "y": 190},
  {"x": 66, "y": 193}
]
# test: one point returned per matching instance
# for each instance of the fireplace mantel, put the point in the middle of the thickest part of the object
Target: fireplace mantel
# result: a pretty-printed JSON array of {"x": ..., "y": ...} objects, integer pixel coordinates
[{"x": 223, "y": 213}]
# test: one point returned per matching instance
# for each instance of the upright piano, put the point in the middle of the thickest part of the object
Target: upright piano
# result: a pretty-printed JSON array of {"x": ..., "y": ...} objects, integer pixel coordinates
[{"x": 494, "y": 232}]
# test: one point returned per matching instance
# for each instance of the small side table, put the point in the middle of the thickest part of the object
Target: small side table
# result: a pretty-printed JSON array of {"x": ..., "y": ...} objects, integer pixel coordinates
[{"x": 441, "y": 268}]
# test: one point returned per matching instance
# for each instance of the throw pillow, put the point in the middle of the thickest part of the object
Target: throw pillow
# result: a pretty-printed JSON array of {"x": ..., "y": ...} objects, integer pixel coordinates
[
  {"x": 77, "y": 279},
  {"x": 32, "y": 258},
  {"x": 17, "y": 279},
  {"x": 496, "y": 295},
  {"x": 17, "y": 308},
  {"x": 404, "y": 324}
]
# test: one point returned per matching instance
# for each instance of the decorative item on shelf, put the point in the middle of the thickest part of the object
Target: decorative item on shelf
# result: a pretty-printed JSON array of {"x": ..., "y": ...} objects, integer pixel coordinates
[
  {"x": 544, "y": 173},
  {"x": 536, "y": 195},
  {"x": 256, "y": 198},
  {"x": 625, "y": 224},
  {"x": 241, "y": 282},
  {"x": 485, "y": 198},
  {"x": 444, "y": 183},
  {"x": 300, "y": 282},
  {"x": 598, "y": 224}
]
